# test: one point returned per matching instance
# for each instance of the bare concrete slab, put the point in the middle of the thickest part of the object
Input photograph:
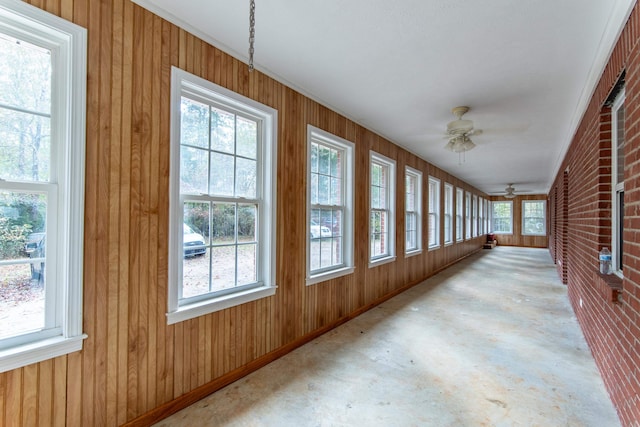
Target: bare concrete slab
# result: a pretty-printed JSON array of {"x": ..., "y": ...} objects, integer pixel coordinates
[{"x": 491, "y": 341}]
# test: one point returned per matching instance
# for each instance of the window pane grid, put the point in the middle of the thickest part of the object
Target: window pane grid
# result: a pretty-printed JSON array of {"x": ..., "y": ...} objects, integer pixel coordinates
[
  {"x": 412, "y": 210},
  {"x": 502, "y": 217}
]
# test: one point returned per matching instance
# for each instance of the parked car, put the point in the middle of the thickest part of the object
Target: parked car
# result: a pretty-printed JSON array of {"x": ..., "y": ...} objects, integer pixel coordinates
[
  {"x": 35, "y": 248},
  {"x": 318, "y": 231},
  {"x": 192, "y": 242}
]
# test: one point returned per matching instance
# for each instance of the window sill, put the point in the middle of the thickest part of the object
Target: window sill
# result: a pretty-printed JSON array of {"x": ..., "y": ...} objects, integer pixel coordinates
[
  {"x": 610, "y": 287},
  {"x": 201, "y": 308},
  {"x": 381, "y": 261},
  {"x": 433, "y": 248},
  {"x": 413, "y": 253},
  {"x": 23, "y": 355},
  {"x": 334, "y": 274}
]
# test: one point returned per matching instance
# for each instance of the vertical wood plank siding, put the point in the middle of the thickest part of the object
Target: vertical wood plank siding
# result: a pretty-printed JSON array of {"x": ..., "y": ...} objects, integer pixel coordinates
[{"x": 133, "y": 362}]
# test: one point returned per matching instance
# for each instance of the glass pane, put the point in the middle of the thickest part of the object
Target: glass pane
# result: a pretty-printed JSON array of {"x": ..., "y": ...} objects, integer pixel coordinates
[
  {"x": 620, "y": 137},
  {"x": 193, "y": 170},
  {"x": 195, "y": 227},
  {"x": 247, "y": 135},
  {"x": 223, "y": 266},
  {"x": 222, "y": 131},
  {"x": 314, "y": 158},
  {"x": 375, "y": 198},
  {"x": 194, "y": 123},
  {"x": 324, "y": 160},
  {"x": 323, "y": 189},
  {"x": 336, "y": 191},
  {"x": 336, "y": 223},
  {"x": 26, "y": 75},
  {"x": 22, "y": 238},
  {"x": 314, "y": 254},
  {"x": 222, "y": 166},
  {"x": 247, "y": 267},
  {"x": 246, "y": 175},
  {"x": 196, "y": 275},
  {"x": 25, "y": 141},
  {"x": 247, "y": 215},
  {"x": 376, "y": 172},
  {"x": 314, "y": 189},
  {"x": 223, "y": 218}
]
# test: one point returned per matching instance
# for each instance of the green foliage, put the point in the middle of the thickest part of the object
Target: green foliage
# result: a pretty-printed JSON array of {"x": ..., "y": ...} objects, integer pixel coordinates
[
  {"x": 223, "y": 219},
  {"x": 12, "y": 239}
]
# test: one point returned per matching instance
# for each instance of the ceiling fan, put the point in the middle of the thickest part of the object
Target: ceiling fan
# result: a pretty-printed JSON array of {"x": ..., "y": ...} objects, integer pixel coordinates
[{"x": 459, "y": 132}]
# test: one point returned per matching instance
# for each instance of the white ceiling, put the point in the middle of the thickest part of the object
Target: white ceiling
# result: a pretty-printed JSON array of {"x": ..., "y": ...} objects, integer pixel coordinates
[{"x": 525, "y": 68}]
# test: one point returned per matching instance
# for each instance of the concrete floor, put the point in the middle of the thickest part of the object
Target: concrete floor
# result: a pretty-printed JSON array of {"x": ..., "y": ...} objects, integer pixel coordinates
[{"x": 491, "y": 341}]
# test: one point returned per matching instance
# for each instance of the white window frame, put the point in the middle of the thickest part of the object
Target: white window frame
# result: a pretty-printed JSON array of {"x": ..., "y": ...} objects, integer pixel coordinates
[
  {"x": 467, "y": 215},
  {"x": 346, "y": 148},
  {"x": 481, "y": 229},
  {"x": 544, "y": 218},
  {"x": 510, "y": 202},
  {"x": 434, "y": 210},
  {"x": 617, "y": 188},
  {"x": 448, "y": 214},
  {"x": 183, "y": 83},
  {"x": 459, "y": 214},
  {"x": 474, "y": 216},
  {"x": 411, "y": 173},
  {"x": 390, "y": 200},
  {"x": 62, "y": 333}
]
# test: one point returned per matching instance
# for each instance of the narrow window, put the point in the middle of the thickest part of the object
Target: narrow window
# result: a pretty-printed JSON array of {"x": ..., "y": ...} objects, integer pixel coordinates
[
  {"x": 222, "y": 198},
  {"x": 502, "y": 217},
  {"x": 474, "y": 216},
  {"x": 617, "y": 175},
  {"x": 434, "y": 212},
  {"x": 459, "y": 213},
  {"x": 382, "y": 209},
  {"x": 413, "y": 211},
  {"x": 467, "y": 213},
  {"x": 448, "y": 214},
  {"x": 330, "y": 206},
  {"x": 534, "y": 217},
  {"x": 42, "y": 134}
]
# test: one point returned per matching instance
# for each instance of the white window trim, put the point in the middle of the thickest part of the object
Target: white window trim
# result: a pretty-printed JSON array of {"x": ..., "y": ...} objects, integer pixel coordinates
[
  {"x": 68, "y": 43},
  {"x": 511, "y": 217},
  {"x": 544, "y": 221},
  {"x": 418, "y": 210},
  {"x": 347, "y": 147},
  {"x": 474, "y": 216},
  {"x": 467, "y": 215},
  {"x": 391, "y": 198},
  {"x": 436, "y": 182},
  {"x": 616, "y": 187},
  {"x": 451, "y": 209},
  {"x": 181, "y": 82},
  {"x": 460, "y": 204}
]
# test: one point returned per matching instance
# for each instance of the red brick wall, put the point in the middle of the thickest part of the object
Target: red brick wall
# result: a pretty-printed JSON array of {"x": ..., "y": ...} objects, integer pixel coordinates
[{"x": 581, "y": 216}]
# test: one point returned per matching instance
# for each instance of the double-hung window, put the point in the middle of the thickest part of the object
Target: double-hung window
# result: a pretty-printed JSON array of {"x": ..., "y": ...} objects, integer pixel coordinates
[
  {"x": 502, "y": 217},
  {"x": 534, "y": 217},
  {"x": 382, "y": 209},
  {"x": 413, "y": 211},
  {"x": 475, "y": 216},
  {"x": 467, "y": 214},
  {"x": 617, "y": 175},
  {"x": 459, "y": 212},
  {"x": 42, "y": 139},
  {"x": 222, "y": 198},
  {"x": 481, "y": 229},
  {"x": 448, "y": 214},
  {"x": 329, "y": 206},
  {"x": 434, "y": 212}
]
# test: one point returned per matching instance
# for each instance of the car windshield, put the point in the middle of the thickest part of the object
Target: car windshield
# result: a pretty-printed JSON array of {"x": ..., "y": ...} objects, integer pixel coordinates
[{"x": 187, "y": 230}]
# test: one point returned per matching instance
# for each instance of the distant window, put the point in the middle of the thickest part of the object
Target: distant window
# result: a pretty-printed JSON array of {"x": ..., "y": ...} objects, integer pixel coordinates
[
  {"x": 474, "y": 215},
  {"x": 459, "y": 213},
  {"x": 617, "y": 143},
  {"x": 448, "y": 214},
  {"x": 42, "y": 168},
  {"x": 467, "y": 214},
  {"x": 481, "y": 215},
  {"x": 534, "y": 217},
  {"x": 502, "y": 217},
  {"x": 434, "y": 212},
  {"x": 413, "y": 211},
  {"x": 382, "y": 209},
  {"x": 330, "y": 206}
]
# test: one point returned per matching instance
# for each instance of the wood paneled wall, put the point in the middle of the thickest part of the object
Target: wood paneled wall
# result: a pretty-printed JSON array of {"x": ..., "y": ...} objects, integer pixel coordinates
[
  {"x": 133, "y": 362},
  {"x": 517, "y": 238}
]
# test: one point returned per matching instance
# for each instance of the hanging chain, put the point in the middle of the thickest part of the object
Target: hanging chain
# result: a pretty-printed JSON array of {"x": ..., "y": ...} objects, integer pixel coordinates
[{"x": 252, "y": 31}]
